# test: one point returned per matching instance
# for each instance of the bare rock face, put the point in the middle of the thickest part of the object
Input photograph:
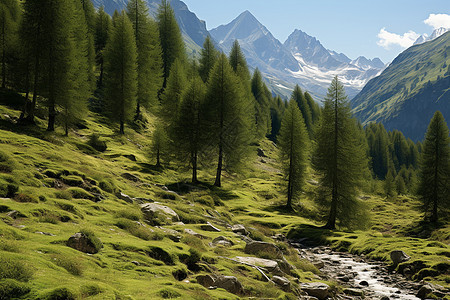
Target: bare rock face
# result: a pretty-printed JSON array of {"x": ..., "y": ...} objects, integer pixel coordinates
[
  {"x": 82, "y": 243},
  {"x": 424, "y": 291},
  {"x": 316, "y": 289},
  {"x": 206, "y": 280},
  {"x": 283, "y": 282},
  {"x": 268, "y": 264},
  {"x": 399, "y": 256},
  {"x": 156, "y": 214},
  {"x": 239, "y": 228},
  {"x": 229, "y": 283},
  {"x": 257, "y": 247}
]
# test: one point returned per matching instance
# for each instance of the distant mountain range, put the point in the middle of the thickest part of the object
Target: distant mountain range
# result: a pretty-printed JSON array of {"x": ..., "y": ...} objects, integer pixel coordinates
[
  {"x": 406, "y": 95},
  {"x": 300, "y": 60},
  {"x": 436, "y": 33}
]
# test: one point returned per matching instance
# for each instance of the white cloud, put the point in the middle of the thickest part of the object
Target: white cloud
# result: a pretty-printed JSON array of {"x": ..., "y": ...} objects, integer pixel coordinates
[
  {"x": 438, "y": 20},
  {"x": 386, "y": 39}
]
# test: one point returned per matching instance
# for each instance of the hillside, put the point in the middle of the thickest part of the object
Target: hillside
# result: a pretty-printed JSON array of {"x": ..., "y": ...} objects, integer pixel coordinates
[
  {"x": 65, "y": 187},
  {"x": 406, "y": 95}
]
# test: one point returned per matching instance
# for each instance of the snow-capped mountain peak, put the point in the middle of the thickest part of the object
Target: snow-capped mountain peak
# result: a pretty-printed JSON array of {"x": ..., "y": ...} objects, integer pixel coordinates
[{"x": 436, "y": 33}]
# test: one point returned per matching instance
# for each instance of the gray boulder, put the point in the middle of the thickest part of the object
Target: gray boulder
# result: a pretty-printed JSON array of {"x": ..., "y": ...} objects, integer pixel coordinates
[
  {"x": 82, "y": 243},
  {"x": 192, "y": 232},
  {"x": 268, "y": 264},
  {"x": 316, "y": 289},
  {"x": 424, "y": 291},
  {"x": 206, "y": 280},
  {"x": 230, "y": 284},
  {"x": 222, "y": 241},
  {"x": 256, "y": 247},
  {"x": 124, "y": 197},
  {"x": 158, "y": 214},
  {"x": 398, "y": 257},
  {"x": 239, "y": 228},
  {"x": 283, "y": 282}
]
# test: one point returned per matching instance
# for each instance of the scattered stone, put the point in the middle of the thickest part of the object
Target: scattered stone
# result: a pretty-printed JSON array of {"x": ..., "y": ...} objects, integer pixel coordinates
[
  {"x": 364, "y": 283},
  {"x": 354, "y": 292},
  {"x": 424, "y": 291},
  {"x": 257, "y": 247},
  {"x": 284, "y": 265},
  {"x": 209, "y": 227},
  {"x": 239, "y": 228},
  {"x": 141, "y": 200},
  {"x": 179, "y": 274},
  {"x": 130, "y": 177},
  {"x": 206, "y": 280},
  {"x": 14, "y": 214},
  {"x": 171, "y": 234},
  {"x": 261, "y": 153},
  {"x": 399, "y": 256},
  {"x": 318, "y": 264},
  {"x": 192, "y": 232},
  {"x": 229, "y": 283},
  {"x": 279, "y": 237},
  {"x": 124, "y": 197},
  {"x": 316, "y": 289},
  {"x": 156, "y": 213},
  {"x": 223, "y": 241},
  {"x": 385, "y": 298},
  {"x": 82, "y": 243},
  {"x": 45, "y": 233},
  {"x": 283, "y": 282},
  {"x": 134, "y": 262},
  {"x": 268, "y": 264}
]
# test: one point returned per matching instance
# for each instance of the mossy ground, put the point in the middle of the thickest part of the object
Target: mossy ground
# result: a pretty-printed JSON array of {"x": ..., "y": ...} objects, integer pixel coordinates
[{"x": 65, "y": 186}]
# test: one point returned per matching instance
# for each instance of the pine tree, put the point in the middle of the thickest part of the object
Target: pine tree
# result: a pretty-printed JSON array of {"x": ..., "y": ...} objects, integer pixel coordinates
[
  {"x": 10, "y": 16},
  {"x": 389, "y": 184},
  {"x": 160, "y": 142},
  {"x": 208, "y": 58},
  {"x": 120, "y": 68},
  {"x": 149, "y": 54},
  {"x": 293, "y": 141},
  {"x": 227, "y": 118},
  {"x": 89, "y": 16},
  {"x": 434, "y": 176},
  {"x": 340, "y": 157},
  {"x": 378, "y": 149},
  {"x": 299, "y": 98},
  {"x": 189, "y": 125},
  {"x": 172, "y": 44},
  {"x": 238, "y": 62},
  {"x": 102, "y": 27},
  {"x": 176, "y": 84},
  {"x": 314, "y": 108},
  {"x": 400, "y": 185},
  {"x": 261, "y": 105}
]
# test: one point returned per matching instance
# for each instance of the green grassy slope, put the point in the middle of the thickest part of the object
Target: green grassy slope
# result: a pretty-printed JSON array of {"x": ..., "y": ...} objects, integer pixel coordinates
[
  {"x": 57, "y": 176},
  {"x": 406, "y": 95}
]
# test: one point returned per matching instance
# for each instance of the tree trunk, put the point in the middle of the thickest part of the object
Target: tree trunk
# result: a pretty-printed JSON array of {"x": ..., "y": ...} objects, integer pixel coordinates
[
  {"x": 3, "y": 54},
  {"x": 158, "y": 160},
  {"x": 219, "y": 167},
  {"x": 138, "y": 110},
  {"x": 434, "y": 213},
  {"x": 194, "y": 167},
  {"x": 291, "y": 167},
  {"x": 221, "y": 125},
  {"x": 122, "y": 127},
  {"x": 100, "y": 78}
]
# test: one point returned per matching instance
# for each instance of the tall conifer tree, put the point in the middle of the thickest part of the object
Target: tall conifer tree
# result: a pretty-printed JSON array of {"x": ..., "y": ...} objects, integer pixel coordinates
[
  {"x": 262, "y": 113},
  {"x": 102, "y": 27},
  {"x": 293, "y": 141},
  {"x": 340, "y": 157},
  {"x": 299, "y": 97},
  {"x": 434, "y": 176},
  {"x": 9, "y": 28},
  {"x": 208, "y": 58},
  {"x": 227, "y": 118},
  {"x": 121, "y": 70}
]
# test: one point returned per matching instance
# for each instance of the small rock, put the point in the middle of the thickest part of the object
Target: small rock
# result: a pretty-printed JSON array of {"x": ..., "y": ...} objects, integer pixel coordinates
[
  {"x": 45, "y": 233},
  {"x": 229, "y": 283},
  {"x": 398, "y": 257},
  {"x": 279, "y": 237},
  {"x": 318, "y": 264},
  {"x": 156, "y": 213},
  {"x": 134, "y": 262},
  {"x": 192, "y": 232},
  {"x": 141, "y": 200},
  {"x": 268, "y": 264},
  {"x": 283, "y": 282},
  {"x": 206, "y": 280},
  {"x": 316, "y": 289},
  {"x": 82, "y": 243},
  {"x": 223, "y": 241},
  {"x": 424, "y": 291},
  {"x": 364, "y": 283},
  {"x": 130, "y": 177},
  {"x": 261, "y": 153},
  {"x": 385, "y": 298},
  {"x": 14, "y": 214},
  {"x": 353, "y": 292},
  {"x": 124, "y": 197},
  {"x": 209, "y": 227},
  {"x": 238, "y": 228}
]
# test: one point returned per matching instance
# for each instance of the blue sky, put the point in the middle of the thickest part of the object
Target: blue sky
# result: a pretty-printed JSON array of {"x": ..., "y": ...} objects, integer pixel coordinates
[{"x": 372, "y": 28}]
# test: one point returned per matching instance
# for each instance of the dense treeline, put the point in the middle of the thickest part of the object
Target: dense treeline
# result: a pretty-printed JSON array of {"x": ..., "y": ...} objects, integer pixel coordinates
[{"x": 67, "y": 57}]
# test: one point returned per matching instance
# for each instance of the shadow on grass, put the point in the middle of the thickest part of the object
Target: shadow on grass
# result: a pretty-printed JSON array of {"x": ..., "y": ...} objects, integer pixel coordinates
[
  {"x": 423, "y": 229},
  {"x": 310, "y": 235},
  {"x": 150, "y": 168}
]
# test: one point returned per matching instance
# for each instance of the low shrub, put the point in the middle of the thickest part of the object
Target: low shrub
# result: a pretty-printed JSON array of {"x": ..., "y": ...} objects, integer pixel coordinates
[
  {"x": 25, "y": 198},
  {"x": 12, "y": 289},
  {"x": 52, "y": 173},
  {"x": 96, "y": 143},
  {"x": 72, "y": 180},
  {"x": 7, "y": 164},
  {"x": 8, "y": 186},
  {"x": 90, "y": 290},
  {"x": 61, "y": 293},
  {"x": 79, "y": 193},
  {"x": 11, "y": 268},
  {"x": 138, "y": 230},
  {"x": 108, "y": 186},
  {"x": 63, "y": 195},
  {"x": 72, "y": 265},
  {"x": 129, "y": 213},
  {"x": 167, "y": 293},
  {"x": 9, "y": 246}
]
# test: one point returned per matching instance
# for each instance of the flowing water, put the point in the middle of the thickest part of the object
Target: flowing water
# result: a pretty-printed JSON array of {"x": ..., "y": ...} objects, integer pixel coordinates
[{"x": 351, "y": 271}]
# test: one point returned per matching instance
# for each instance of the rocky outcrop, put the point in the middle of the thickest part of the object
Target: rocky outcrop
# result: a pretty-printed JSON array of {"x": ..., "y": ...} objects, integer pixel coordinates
[
  {"x": 398, "y": 257},
  {"x": 316, "y": 289},
  {"x": 229, "y": 283},
  {"x": 282, "y": 282},
  {"x": 157, "y": 214},
  {"x": 222, "y": 241},
  {"x": 240, "y": 229},
  {"x": 81, "y": 242},
  {"x": 194, "y": 233},
  {"x": 268, "y": 264},
  {"x": 424, "y": 291}
]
